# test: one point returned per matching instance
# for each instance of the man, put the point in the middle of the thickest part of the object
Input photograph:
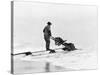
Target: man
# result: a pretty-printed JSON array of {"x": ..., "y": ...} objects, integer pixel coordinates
[{"x": 47, "y": 35}]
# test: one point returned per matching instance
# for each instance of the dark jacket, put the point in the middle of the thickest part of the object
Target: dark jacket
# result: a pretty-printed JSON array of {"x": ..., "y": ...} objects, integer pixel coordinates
[{"x": 47, "y": 32}]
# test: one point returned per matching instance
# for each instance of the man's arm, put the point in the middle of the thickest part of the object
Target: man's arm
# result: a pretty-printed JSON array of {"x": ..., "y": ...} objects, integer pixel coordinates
[{"x": 50, "y": 33}]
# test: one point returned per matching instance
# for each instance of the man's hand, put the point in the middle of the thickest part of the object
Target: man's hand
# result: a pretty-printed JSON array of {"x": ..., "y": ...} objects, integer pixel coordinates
[{"x": 52, "y": 38}]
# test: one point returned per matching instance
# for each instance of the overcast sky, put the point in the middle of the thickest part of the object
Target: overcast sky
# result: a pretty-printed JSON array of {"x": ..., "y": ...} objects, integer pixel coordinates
[{"x": 75, "y": 23}]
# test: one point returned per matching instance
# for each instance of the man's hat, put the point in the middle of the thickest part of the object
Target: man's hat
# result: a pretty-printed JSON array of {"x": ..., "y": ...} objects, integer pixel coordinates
[{"x": 49, "y": 23}]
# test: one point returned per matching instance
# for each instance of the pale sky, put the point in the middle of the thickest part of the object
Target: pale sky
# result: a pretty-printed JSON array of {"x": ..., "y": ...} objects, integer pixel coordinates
[{"x": 75, "y": 23}]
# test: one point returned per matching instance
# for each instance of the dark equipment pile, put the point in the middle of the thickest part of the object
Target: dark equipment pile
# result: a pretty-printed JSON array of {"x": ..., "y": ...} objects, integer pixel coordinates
[{"x": 67, "y": 46}]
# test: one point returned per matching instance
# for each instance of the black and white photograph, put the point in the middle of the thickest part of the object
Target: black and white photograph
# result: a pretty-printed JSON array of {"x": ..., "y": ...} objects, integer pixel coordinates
[{"x": 53, "y": 37}]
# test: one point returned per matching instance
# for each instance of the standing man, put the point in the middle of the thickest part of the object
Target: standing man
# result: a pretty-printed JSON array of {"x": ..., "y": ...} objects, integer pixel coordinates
[{"x": 47, "y": 35}]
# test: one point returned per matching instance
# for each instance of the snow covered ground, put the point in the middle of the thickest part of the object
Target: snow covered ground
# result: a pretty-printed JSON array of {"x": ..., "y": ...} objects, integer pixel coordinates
[{"x": 63, "y": 61}]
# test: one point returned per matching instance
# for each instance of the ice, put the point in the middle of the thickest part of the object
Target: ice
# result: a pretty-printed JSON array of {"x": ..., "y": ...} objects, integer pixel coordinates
[
  {"x": 82, "y": 59},
  {"x": 79, "y": 59}
]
